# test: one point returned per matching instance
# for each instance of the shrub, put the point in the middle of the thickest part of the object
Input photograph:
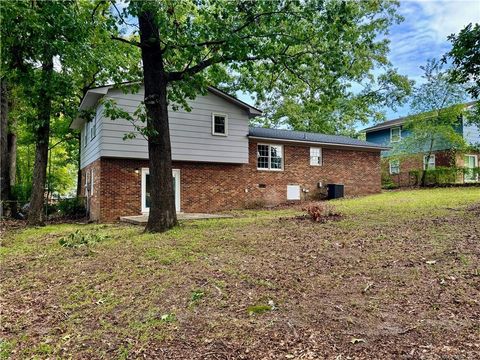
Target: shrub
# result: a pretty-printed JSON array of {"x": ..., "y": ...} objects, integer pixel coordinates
[
  {"x": 387, "y": 182},
  {"x": 78, "y": 239},
  {"x": 319, "y": 211},
  {"x": 74, "y": 207}
]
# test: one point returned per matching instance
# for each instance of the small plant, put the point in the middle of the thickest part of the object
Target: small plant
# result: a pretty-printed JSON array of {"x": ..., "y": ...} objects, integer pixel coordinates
[
  {"x": 320, "y": 211},
  {"x": 197, "y": 295},
  {"x": 258, "y": 309},
  {"x": 78, "y": 239},
  {"x": 168, "y": 318}
]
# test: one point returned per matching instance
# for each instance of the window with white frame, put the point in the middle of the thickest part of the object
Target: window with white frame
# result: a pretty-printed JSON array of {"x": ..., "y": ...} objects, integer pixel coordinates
[
  {"x": 85, "y": 135},
  {"x": 93, "y": 128},
  {"x": 315, "y": 156},
  {"x": 394, "y": 167},
  {"x": 219, "y": 124},
  {"x": 92, "y": 177},
  {"x": 395, "y": 134},
  {"x": 269, "y": 157},
  {"x": 430, "y": 161}
]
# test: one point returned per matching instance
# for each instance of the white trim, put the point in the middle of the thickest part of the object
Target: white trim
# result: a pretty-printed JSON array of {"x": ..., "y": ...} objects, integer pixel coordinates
[
  {"x": 399, "y": 134},
  {"x": 176, "y": 175},
  {"x": 213, "y": 124},
  {"x": 269, "y": 158},
  {"x": 92, "y": 179},
  {"x": 390, "y": 167},
  {"x": 320, "y": 156},
  {"x": 432, "y": 156},
  {"x": 379, "y": 148}
]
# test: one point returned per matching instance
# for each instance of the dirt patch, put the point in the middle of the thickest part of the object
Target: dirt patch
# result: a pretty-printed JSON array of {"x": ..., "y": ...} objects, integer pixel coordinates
[{"x": 375, "y": 284}]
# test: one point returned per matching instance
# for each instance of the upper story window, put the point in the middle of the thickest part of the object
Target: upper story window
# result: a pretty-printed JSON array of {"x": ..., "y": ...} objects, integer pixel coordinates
[
  {"x": 394, "y": 167},
  {"x": 430, "y": 161},
  {"x": 93, "y": 128},
  {"x": 395, "y": 134},
  {"x": 315, "y": 156},
  {"x": 85, "y": 135},
  {"x": 269, "y": 157},
  {"x": 219, "y": 124}
]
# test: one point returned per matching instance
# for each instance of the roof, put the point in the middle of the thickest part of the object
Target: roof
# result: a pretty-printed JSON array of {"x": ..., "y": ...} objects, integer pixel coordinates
[
  {"x": 400, "y": 121},
  {"x": 312, "y": 138},
  {"x": 94, "y": 94}
]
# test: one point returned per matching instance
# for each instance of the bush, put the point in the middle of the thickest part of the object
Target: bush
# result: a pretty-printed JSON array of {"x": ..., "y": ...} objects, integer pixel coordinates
[
  {"x": 74, "y": 207},
  {"x": 78, "y": 239},
  {"x": 319, "y": 211},
  {"x": 387, "y": 182}
]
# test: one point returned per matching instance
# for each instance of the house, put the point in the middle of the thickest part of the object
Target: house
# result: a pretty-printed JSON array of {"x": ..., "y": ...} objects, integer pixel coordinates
[
  {"x": 219, "y": 162},
  {"x": 390, "y": 132}
]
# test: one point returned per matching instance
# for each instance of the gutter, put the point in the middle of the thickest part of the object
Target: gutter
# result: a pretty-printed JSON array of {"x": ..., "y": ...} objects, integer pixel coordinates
[{"x": 380, "y": 148}]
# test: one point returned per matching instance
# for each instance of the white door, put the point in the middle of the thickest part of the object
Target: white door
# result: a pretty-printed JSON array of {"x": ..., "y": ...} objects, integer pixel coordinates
[
  {"x": 146, "y": 189},
  {"x": 471, "y": 162}
]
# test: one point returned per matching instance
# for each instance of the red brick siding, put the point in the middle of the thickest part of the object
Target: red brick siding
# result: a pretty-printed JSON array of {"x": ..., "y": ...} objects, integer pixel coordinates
[
  {"x": 208, "y": 187},
  {"x": 415, "y": 163}
]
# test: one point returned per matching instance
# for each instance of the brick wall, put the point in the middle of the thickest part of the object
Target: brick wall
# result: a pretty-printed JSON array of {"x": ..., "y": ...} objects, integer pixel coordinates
[
  {"x": 208, "y": 187},
  {"x": 446, "y": 158}
]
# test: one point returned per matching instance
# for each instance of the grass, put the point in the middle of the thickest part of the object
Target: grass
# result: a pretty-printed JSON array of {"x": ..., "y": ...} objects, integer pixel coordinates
[{"x": 399, "y": 271}]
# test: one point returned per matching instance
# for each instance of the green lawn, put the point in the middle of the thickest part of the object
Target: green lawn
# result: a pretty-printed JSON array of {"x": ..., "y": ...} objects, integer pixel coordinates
[{"x": 397, "y": 277}]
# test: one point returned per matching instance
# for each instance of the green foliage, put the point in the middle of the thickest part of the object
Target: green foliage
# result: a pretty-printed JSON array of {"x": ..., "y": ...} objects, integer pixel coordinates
[
  {"x": 465, "y": 55},
  {"x": 437, "y": 106},
  {"x": 309, "y": 65},
  {"x": 74, "y": 207},
  {"x": 79, "y": 239},
  {"x": 387, "y": 182},
  {"x": 258, "y": 309}
]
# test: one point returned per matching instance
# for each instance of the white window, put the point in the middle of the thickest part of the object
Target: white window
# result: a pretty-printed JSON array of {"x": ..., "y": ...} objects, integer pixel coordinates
[
  {"x": 395, "y": 134},
  {"x": 269, "y": 157},
  {"x": 219, "y": 124},
  {"x": 87, "y": 181},
  {"x": 85, "y": 135},
  {"x": 431, "y": 162},
  {"x": 315, "y": 156},
  {"x": 93, "y": 128},
  {"x": 91, "y": 182},
  {"x": 470, "y": 163},
  {"x": 394, "y": 167}
]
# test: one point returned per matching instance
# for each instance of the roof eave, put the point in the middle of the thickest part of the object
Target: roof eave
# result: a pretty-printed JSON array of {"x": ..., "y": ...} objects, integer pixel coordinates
[{"x": 367, "y": 147}]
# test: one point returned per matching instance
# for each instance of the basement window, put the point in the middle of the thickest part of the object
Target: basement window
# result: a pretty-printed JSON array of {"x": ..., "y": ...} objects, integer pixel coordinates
[{"x": 430, "y": 161}]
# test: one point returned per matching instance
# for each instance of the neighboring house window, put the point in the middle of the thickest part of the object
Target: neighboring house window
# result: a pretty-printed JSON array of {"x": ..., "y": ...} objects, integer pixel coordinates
[
  {"x": 219, "y": 124},
  {"x": 315, "y": 156},
  {"x": 394, "y": 167},
  {"x": 395, "y": 134},
  {"x": 470, "y": 163},
  {"x": 431, "y": 162},
  {"x": 269, "y": 157}
]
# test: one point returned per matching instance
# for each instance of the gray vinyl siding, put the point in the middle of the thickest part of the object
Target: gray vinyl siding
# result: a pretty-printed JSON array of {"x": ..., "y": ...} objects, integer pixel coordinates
[
  {"x": 91, "y": 152},
  {"x": 190, "y": 132},
  {"x": 471, "y": 134}
]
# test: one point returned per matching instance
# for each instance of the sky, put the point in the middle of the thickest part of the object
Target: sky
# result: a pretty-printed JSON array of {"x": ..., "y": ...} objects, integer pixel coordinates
[{"x": 423, "y": 35}]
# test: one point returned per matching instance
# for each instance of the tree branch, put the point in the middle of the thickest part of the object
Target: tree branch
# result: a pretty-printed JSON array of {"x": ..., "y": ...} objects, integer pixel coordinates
[{"x": 134, "y": 43}]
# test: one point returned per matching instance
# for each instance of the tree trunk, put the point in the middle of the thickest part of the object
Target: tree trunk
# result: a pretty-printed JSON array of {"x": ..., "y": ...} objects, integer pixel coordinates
[
  {"x": 163, "y": 215},
  {"x": 36, "y": 213},
  {"x": 423, "y": 181},
  {"x": 4, "y": 154}
]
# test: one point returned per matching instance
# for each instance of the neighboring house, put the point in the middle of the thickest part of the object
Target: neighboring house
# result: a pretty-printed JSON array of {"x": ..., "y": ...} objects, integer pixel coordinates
[
  {"x": 219, "y": 163},
  {"x": 391, "y": 132}
]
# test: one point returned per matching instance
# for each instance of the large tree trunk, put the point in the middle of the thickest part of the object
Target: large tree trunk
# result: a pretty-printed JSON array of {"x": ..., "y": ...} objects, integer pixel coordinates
[
  {"x": 36, "y": 213},
  {"x": 162, "y": 206},
  {"x": 4, "y": 154}
]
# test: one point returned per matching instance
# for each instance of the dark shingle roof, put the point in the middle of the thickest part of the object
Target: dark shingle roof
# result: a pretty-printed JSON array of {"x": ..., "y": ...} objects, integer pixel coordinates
[
  {"x": 301, "y": 136},
  {"x": 401, "y": 120}
]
